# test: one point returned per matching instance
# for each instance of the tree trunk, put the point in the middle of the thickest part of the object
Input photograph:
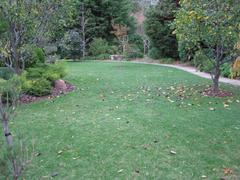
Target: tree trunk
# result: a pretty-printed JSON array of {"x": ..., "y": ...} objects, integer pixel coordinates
[
  {"x": 216, "y": 76},
  {"x": 9, "y": 141}
]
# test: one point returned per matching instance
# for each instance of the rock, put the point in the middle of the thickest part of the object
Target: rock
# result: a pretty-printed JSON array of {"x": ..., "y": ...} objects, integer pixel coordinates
[
  {"x": 116, "y": 57},
  {"x": 60, "y": 85}
]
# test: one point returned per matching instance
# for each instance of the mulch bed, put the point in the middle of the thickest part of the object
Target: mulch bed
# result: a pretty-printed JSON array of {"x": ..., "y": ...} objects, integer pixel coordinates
[
  {"x": 209, "y": 92},
  {"x": 25, "y": 98}
]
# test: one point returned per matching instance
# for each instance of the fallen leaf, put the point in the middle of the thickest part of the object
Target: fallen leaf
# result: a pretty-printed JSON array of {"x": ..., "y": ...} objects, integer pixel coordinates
[
  {"x": 121, "y": 170},
  {"x": 212, "y": 109},
  {"x": 227, "y": 171},
  {"x": 225, "y": 105},
  {"x": 173, "y": 152},
  {"x": 60, "y": 152},
  {"x": 75, "y": 158}
]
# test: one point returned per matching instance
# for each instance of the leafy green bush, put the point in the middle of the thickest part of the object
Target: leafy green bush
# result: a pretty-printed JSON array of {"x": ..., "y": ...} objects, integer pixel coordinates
[
  {"x": 5, "y": 73},
  {"x": 2, "y": 83},
  {"x": 102, "y": 57},
  {"x": 135, "y": 54},
  {"x": 49, "y": 72},
  {"x": 54, "y": 72},
  {"x": 38, "y": 81},
  {"x": 202, "y": 62},
  {"x": 10, "y": 89},
  {"x": 99, "y": 46},
  {"x": 167, "y": 60},
  {"x": 39, "y": 87},
  {"x": 226, "y": 70},
  {"x": 154, "y": 53},
  {"x": 33, "y": 56}
]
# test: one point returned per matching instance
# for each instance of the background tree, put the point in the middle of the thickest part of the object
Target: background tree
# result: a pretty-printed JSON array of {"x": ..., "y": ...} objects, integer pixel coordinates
[
  {"x": 213, "y": 27},
  {"x": 158, "y": 28},
  {"x": 26, "y": 22},
  {"x": 105, "y": 13}
]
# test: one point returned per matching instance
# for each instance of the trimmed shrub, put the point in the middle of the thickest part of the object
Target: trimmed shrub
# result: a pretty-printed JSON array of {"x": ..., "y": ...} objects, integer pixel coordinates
[
  {"x": 49, "y": 72},
  {"x": 38, "y": 81},
  {"x": 54, "y": 72},
  {"x": 98, "y": 47},
  {"x": 39, "y": 87}
]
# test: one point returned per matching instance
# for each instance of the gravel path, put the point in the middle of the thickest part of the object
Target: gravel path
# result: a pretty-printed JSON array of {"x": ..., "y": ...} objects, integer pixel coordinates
[{"x": 194, "y": 71}]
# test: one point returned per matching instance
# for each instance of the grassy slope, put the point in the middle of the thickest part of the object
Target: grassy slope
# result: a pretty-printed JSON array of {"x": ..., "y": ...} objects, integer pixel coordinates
[{"x": 121, "y": 123}]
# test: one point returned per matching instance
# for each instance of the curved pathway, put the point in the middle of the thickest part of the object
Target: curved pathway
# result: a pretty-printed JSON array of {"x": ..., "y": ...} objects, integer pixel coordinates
[{"x": 194, "y": 71}]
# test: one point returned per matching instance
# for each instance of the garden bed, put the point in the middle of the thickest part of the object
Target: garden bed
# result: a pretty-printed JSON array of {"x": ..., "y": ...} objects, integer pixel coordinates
[{"x": 56, "y": 92}]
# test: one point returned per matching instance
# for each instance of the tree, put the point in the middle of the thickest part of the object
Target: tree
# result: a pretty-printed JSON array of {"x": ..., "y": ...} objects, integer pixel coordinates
[
  {"x": 105, "y": 13},
  {"x": 26, "y": 22},
  {"x": 212, "y": 27},
  {"x": 8, "y": 100},
  {"x": 86, "y": 27},
  {"x": 158, "y": 28}
]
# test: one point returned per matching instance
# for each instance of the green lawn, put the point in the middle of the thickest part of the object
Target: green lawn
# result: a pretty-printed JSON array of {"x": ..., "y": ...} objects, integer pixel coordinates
[{"x": 124, "y": 119}]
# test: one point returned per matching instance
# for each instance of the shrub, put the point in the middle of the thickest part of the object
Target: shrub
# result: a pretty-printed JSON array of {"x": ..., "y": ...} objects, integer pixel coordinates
[
  {"x": 33, "y": 56},
  {"x": 54, "y": 72},
  {"x": 10, "y": 89},
  {"x": 38, "y": 81},
  {"x": 25, "y": 83},
  {"x": 134, "y": 53},
  {"x": 39, "y": 87},
  {"x": 70, "y": 45},
  {"x": 202, "y": 62},
  {"x": 2, "y": 83},
  {"x": 49, "y": 72},
  {"x": 154, "y": 53},
  {"x": 226, "y": 70},
  {"x": 99, "y": 46},
  {"x": 102, "y": 57},
  {"x": 5, "y": 73},
  {"x": 167, "y": 60}
]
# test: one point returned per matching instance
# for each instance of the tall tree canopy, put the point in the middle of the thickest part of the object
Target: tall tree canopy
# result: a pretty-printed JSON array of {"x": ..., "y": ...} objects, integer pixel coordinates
[
  {"x": 105, "y": 13},
  {"x": 158, "y": 28},
  {"x": 212, "y": 27}
]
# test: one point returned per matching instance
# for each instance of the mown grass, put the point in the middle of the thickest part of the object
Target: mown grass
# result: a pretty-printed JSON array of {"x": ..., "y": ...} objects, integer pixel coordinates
[{"x": 123, "y": 120}]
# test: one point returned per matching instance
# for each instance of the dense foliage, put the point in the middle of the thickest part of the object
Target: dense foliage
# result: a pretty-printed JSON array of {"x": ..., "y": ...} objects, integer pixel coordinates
[
  {"x": 211, "y": 27},
  {"x": 158, "y": 29},
  {"x": 95, "y": 19}
]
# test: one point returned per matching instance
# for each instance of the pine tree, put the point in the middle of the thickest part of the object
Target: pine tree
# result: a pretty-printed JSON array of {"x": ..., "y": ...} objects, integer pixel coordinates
[{"x": 157, "y": 27}]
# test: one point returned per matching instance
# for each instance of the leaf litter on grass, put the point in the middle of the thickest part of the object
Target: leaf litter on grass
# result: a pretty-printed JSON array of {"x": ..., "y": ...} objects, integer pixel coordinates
[{"x": 185, "y": 96}]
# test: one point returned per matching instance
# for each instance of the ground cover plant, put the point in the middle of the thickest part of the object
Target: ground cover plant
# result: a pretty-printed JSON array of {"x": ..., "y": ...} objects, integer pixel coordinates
[{"x": 133, "y": 121}]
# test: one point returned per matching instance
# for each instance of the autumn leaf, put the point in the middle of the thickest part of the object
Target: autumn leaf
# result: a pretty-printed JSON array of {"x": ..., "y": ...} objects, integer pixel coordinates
[{"x": 228, "y": 171}]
